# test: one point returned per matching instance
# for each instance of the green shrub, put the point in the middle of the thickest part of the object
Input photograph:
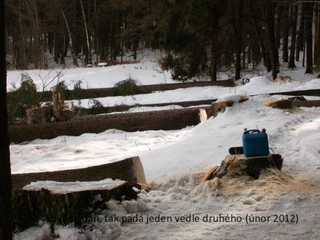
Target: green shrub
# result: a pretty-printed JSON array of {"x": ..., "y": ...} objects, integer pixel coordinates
[
  {"x": 177, "y": 66},
  {"x": 125, "y": 88},
  {"x": 24, "y": 97},
  {"x": 96, "y": 107}
]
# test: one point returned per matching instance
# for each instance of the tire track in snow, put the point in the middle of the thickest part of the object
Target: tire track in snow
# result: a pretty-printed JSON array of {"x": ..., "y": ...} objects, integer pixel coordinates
[{"x": 298, "y": 141}]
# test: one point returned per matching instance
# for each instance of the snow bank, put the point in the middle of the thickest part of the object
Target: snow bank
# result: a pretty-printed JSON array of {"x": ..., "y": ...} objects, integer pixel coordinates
[
  {"x": 232, "y": 97},
  {"x": 257, "y": 85}
]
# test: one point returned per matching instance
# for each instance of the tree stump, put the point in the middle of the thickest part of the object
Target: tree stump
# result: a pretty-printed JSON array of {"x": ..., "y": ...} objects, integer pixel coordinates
[
  {"x": 30, "y": 204},
  {"x": 239, "y": 165},
  {"x": 59, "y": 207}
]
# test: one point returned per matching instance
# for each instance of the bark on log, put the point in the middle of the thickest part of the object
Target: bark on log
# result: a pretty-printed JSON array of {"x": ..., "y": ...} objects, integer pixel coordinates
[
  {"x": 291, "y": 103},
  {"x": 129, "y": 169},
  {"x": 282, "y": 104},
  {"x": 239, "y": 165},
  {"x": 63, "y": 208}
]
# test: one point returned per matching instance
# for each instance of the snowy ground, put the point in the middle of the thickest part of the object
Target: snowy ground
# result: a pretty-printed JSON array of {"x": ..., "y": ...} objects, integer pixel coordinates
[{"x": 282, "y": 205}]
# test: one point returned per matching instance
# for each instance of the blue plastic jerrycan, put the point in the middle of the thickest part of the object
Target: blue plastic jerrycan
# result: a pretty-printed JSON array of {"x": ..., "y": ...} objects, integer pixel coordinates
[{"x": 255, "y": 143}]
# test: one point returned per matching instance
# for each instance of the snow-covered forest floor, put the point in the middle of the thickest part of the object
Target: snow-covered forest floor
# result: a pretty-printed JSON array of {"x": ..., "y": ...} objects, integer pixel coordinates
[{"x": 282, "y": 205}]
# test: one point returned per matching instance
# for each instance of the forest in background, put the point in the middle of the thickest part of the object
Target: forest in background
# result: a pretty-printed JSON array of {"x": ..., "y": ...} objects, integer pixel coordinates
[{"x": 199, "y": 37}]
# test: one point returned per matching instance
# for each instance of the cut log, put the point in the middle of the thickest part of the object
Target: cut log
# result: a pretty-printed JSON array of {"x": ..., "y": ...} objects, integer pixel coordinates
[
  {"x": 282, "y": 104},
  {"x": 129, "y": 169},
  {"x": 30, "y": 206},
  {"x": 226, "y": 101},
  {"x": 292, "y": 102},
  {"x": 239, "y": 165},
  {"x": 203, "y": 115},
  {"x": 219, "y": 107}
]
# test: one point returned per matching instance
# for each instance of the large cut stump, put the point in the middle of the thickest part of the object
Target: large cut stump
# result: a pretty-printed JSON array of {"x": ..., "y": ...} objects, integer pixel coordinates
[
  {"x": 129, "y": 169},
  {"x": 239, "y": 165},
  {"x": 68, "y": 196},
  {"x": 50, "y": 201}
]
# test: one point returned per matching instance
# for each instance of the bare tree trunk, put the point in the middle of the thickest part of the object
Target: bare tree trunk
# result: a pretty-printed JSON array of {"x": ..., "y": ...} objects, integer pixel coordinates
[
  {"x": 272, "y": 49},
  {"x": 259, "y": 37},
  {"x": 301, "y": 37},
  {"x": 74, "y": 57},
  {"x": 89, "y": 59},
  {"x": 19, "y": 43},
  {"x": 37, "y": 44},
  {"x": 213, "y": 56},
  {"x": 285, "y": 31},
  {"x": 5, "y": 171},
  {"x": 316, "y": 57},
  {"x": 238, "y": 26},
  {"x": 214, "y": 33},
  {"x": 294, "y": 21},
  {"x": 309, "y": 21}
]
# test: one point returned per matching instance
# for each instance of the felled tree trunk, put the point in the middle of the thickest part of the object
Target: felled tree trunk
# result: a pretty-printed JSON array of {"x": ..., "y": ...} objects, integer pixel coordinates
[
  {"x": 131, "y": 122},
  {"x": 293, "y": 102},
  {"x": 239, "y": 165}
]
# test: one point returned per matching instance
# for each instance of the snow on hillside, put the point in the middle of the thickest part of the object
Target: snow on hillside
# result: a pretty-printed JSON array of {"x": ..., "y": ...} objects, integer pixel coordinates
[
  {"x": 147, "y": 71},
  {"x": 282, "y": 205}
]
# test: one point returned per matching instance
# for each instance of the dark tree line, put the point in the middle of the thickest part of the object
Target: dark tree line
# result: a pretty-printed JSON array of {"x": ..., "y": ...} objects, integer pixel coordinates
[{"x": 200, "y": 37}]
